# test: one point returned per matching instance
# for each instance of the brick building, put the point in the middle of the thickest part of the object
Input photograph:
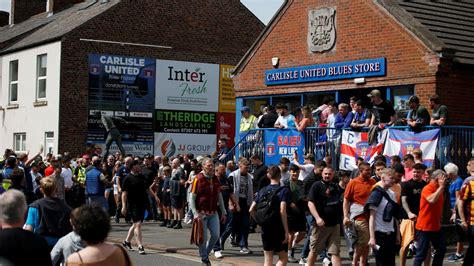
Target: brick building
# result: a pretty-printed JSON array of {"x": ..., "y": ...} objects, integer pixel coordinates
[
  {"x": 57, "y": 37},
  {"x": 414, "y": 47}
]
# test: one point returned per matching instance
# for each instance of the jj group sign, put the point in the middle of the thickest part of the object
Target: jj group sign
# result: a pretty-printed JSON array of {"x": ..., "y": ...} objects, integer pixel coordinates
[{"x": 323, "y": 72}]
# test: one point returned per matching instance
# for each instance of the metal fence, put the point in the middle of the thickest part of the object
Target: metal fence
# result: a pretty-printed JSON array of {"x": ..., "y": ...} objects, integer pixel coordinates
[{"x": 455, "y": 144}]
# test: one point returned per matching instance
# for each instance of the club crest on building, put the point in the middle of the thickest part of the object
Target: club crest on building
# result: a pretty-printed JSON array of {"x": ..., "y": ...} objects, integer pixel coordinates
[
  {"x": 321, "y": 29},
  {"x": 270, "y": 150}
]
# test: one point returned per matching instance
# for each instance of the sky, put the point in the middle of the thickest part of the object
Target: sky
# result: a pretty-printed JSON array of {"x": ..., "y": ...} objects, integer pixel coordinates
[{"x": 263, "y": 9}]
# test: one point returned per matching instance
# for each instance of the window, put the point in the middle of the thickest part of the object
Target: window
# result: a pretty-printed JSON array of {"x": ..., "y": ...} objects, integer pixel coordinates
[
  {"x": 13, "y": 81},
  {"x": 41, "y": 69},
  {"x": 256, "y": 105},
  {"x": 49, "y": 142},
  {"x": 19, "y": 141}
]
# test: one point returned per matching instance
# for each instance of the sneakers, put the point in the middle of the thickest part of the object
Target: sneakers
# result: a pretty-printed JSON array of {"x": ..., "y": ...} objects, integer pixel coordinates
[
  {"x": 141, "y": 250},
  {"x": 218, "y": 255},
  {"x": 292, "y": 259},
  {"x": 164, "y": 223},
  {"x": 172, "y": 224},
  {"x": 127, "y": 245},
  {"x": 456, "y": 258},
  {"x": 245, "y": 251},
  {"x": 303, "y": 261},
  {"x": 188, "y": 220},
  {"x": 206, "y": 262}
]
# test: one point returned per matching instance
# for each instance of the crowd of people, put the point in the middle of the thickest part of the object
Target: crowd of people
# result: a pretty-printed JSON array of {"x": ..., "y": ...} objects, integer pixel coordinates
[
  {"x": 356, "y": 114},
  {"x": 379, "y": 208},
  {"x": 61, "y": 205}
]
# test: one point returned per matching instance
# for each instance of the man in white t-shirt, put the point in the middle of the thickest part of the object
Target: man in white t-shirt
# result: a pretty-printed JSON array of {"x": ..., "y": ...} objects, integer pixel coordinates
[
  {"x": 307, "y": 167},
  {"x": 285, "y": 119},
  {"x": 382, "y": 229}
]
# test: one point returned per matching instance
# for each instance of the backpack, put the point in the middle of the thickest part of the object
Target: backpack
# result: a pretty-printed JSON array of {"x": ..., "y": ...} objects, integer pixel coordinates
[{"x": 268, "y": 208}]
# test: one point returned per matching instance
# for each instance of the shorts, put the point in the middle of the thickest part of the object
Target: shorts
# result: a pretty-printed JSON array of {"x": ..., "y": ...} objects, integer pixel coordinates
[
  {"x": 109, "y": 189},
  {"x": 297, "y": 223},
  {"x": 272, "y": 239},
  {"x": 136, "y": 213},
  {"x": 326, "y": 237},
  {"x": 115, "y": 190},
  {"x": 166, "y": 200},
  {"x": 177, "y": 202},
  {"x": 362, "y": 231}
]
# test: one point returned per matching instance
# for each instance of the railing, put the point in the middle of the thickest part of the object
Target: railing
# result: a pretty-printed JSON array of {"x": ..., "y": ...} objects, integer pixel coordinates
[{"x": 455, "y": 144}]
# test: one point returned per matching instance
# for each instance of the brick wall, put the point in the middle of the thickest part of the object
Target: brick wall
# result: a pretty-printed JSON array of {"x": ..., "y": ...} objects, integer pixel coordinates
[
  {"x": 364, "y": 30},
  {"x": 4, "y": 18},
  {"x": 24, "y": 9},
  {"x": 200, "y": 31}
]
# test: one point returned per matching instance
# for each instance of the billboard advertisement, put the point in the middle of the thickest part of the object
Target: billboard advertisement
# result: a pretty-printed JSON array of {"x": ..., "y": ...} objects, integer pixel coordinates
[
  {"x": 226, "y": 90},
  {"x": 187, "y": 86},
  {"x": 121, "y": 103},
  {"x": 226, "y": 128},
  {"x": 172, "y": 144},
  {"x": 188, "y": 122}
]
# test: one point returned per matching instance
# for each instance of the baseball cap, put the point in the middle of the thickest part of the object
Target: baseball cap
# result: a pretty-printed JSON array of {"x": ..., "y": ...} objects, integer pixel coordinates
[
  {"x": 374, "y": 93},
  {"x": 245, "y": 109}
]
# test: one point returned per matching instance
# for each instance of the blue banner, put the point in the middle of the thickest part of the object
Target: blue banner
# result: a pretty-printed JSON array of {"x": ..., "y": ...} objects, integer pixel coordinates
[
  {"x": 283, "y": 143},
  {"x": 342, "y": 70}
]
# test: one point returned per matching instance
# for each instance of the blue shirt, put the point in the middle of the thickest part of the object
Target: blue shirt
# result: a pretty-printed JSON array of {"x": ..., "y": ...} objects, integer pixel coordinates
[
  {"x": 33, "y": 220},
  {"x": 455, "y": 186},
  {"x": 343, "y": 122}
]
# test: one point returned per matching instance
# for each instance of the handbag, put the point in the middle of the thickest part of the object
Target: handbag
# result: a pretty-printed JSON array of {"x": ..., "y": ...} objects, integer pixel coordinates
[{"x": 197, "y": 233}]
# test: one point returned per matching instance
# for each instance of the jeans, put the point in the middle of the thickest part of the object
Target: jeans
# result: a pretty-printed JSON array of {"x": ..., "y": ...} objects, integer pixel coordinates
[
  {"x": 469, "y": 259},
  {"x": 225, "y": 231},
  {"x": 438, "y": 243},
  {"x": 443, "y": 149},
  {"x": 154, "y": 210},
  {"x": 242, "y": 223},
  {"x": 211, "y": 223},
  {"x": 309, "y": 227},
  {"x": 385, "y": 256},
  {"x": 98, "y": 200}
]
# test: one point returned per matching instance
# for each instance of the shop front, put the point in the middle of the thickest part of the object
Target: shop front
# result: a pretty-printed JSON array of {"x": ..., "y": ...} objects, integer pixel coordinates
[{"x": 312, "y": 51}]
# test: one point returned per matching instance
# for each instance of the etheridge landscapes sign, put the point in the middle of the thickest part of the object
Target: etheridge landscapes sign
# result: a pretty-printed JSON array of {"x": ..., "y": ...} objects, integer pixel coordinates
[{"x": 342, "y": 70}]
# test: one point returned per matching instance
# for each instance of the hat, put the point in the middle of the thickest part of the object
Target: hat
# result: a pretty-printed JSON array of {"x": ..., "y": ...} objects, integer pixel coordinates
[
  {"x": 309, "y": 156},
  {"x": 245, "y": 109},
  {"x": 374, "y": 93}
]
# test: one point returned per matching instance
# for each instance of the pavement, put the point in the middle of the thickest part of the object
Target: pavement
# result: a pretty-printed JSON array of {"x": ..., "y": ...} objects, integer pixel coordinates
[{"x": 166, "y": 246}]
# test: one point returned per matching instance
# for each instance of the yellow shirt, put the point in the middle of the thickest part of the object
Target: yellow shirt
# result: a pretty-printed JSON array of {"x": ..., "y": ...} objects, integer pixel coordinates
[{"x": 247, "y": 124}]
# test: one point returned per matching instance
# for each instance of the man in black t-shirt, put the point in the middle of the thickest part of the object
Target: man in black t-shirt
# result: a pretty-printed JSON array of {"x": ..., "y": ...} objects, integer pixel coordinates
[
  {"x": 411, "y": 195},
  {"x": 259, "y": 173},
  {"x": 18, "y": 246},
  {"x": 150, "y": 171},
  {"x": 134, "y": 196},
  {"x": 382, "y": 111},
  {"x": 325, "y": 206}
]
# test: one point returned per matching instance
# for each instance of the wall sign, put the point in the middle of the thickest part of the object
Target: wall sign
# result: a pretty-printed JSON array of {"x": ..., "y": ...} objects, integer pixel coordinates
[
  {"x": 190, "y": 122},
  {"x": 321, "y": 29},
  {"x": 187, "y": 86},
  {"x": 334, "y": 71}
]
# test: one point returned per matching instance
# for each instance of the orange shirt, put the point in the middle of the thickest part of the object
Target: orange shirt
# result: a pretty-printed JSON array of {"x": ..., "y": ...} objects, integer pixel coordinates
[
  {"x": 358, "y": 191},
  {"x": 429, "y": 217}
]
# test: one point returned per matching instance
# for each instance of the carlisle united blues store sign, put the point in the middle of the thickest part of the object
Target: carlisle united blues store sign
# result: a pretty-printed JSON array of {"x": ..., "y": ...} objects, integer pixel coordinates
[{"x": 324, "y": 72}]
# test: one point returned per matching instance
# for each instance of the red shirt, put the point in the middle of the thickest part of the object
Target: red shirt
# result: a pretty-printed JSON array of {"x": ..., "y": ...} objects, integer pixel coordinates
[{"x": 429, "y": 217}]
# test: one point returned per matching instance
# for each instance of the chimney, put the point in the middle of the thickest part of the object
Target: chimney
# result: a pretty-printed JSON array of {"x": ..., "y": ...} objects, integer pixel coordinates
[
  {"x": 4, "y": 18},
  {"x": 25, "y": 9},
  {"x": 58, "y": 5}
]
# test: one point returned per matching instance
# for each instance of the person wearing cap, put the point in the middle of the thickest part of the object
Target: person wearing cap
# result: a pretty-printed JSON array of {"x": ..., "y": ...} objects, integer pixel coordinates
[
  {"x": 382, "y": 111},
  {"x": 248, "y": 121},
  {"x": 285, "y": 119},
  {"x": 418, "y": 115}
]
